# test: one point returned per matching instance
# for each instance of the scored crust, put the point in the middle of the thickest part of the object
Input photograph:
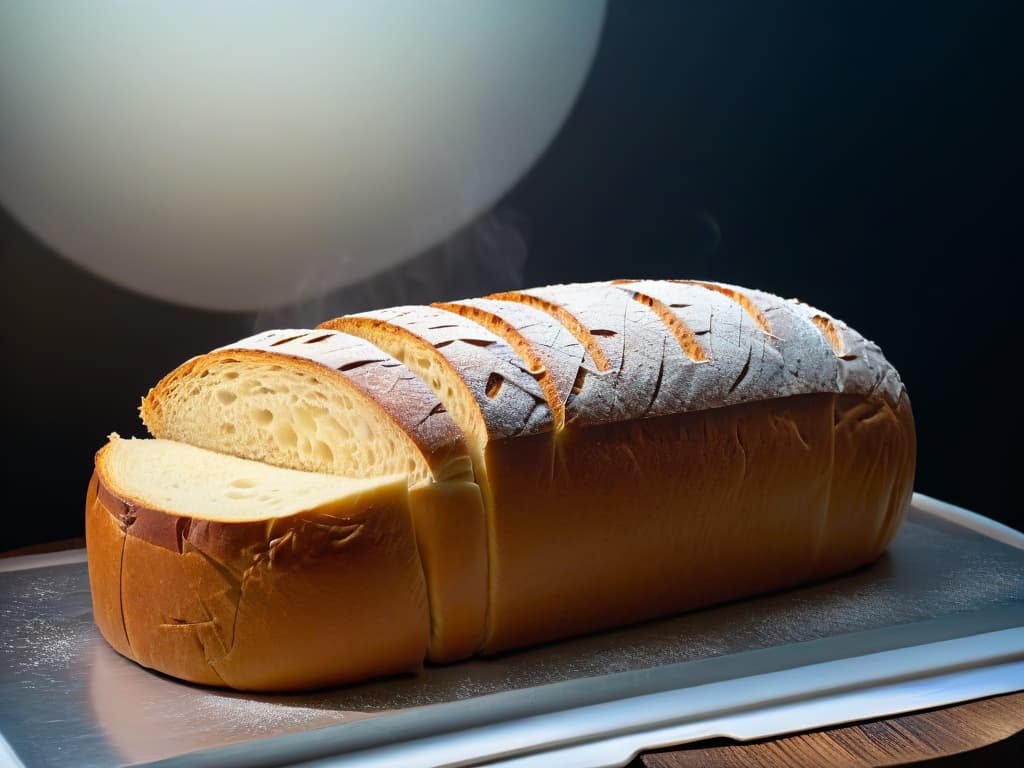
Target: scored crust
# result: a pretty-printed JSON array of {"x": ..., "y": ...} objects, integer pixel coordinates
[
  {"x": 553, "y": 356},
  {"x": 489, "y": 390},
  {"x": 628, "y": 344},
  {"x": 696, "y": 345}
]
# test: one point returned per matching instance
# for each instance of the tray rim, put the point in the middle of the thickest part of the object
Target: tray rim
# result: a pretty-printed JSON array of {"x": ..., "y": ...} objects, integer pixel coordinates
[
  {"x": 965, "y": 518},
  {"x": 578, "y": 743}
]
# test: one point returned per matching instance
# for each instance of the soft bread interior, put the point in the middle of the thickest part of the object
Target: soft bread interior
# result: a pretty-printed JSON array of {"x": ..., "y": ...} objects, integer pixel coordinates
[
  {"x": 182, "y": 479},
  {"x": 282, "y": 412}
]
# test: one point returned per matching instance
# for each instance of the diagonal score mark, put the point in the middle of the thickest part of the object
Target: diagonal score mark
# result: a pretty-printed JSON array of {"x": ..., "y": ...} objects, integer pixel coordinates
[
  {"x": 568, "y": 320},
  {"x": 679, "y": 330},
  {"x": 288, "y": 339},
  {"x": 829, "y": 330},
  {"x": 523, "y": 348},
  {"x": 760, "y": 319}
]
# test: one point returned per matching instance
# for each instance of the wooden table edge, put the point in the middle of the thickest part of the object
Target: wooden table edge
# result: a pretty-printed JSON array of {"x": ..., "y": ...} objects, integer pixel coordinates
[{"x": 988, "y": 731}]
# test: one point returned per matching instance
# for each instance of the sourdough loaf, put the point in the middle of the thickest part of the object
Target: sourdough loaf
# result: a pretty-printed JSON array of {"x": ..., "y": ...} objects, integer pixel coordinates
[{"x": 577, "y": 456}]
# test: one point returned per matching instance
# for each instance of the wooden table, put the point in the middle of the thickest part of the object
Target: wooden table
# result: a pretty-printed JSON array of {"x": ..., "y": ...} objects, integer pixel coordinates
[
  {"x": 986, "y": 732},
  {"x": 983, "y": 732}
]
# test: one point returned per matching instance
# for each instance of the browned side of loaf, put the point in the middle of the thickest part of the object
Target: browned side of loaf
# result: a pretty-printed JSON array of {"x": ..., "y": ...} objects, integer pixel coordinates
[
  {"x": 105, "y": 526},
  {"x": 625, "y": 521},
  {"x": 875, "y": 460}
]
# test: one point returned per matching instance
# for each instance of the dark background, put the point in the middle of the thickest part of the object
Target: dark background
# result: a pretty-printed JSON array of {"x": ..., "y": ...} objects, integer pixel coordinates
[{"x": 865, "y": 157}]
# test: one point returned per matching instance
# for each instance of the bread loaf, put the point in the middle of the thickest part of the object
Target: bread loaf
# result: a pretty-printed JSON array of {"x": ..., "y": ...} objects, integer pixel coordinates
[{"x": 577, "y": 457}]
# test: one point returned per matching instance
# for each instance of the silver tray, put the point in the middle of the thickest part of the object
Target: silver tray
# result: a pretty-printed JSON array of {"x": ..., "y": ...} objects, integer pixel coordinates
[{"x": 937, "y": 620}]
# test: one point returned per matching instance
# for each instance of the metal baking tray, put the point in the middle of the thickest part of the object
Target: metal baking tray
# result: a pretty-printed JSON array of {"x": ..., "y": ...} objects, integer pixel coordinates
[{"x": 938, "y": 619}]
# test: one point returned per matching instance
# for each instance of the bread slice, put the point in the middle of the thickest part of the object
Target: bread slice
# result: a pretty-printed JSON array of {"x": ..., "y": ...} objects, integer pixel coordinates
[
  {"x": 237, "y": 573},
  {"x": 313, "y": 401},
  {"x": 328, "y": 402}
]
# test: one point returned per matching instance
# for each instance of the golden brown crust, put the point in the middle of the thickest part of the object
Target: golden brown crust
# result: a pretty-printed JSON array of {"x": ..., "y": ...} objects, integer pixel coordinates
[
  {"x": 451, "y": 532},
  {"x": 325, "y": 597},
  {"x": 617, "y": 523},
  {"x": 104, "y": 540},
  {"x": 873, "y": 480},
  {"x": 625, "y": 521}
]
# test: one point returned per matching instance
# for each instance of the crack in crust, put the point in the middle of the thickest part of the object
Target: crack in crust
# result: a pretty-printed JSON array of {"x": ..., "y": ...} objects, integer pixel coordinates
[
  {"x": 743, "y": 372},
  {"x": 658, "y": 382}
]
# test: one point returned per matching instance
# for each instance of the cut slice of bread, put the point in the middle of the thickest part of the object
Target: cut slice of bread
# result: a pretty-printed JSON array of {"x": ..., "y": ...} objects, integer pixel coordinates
[
  {"x": 319, "y": 401},
  {"x": 328, "y": 402},
  {"x": 172, "y": 477},
  {"x": 225, "y": 571}
]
